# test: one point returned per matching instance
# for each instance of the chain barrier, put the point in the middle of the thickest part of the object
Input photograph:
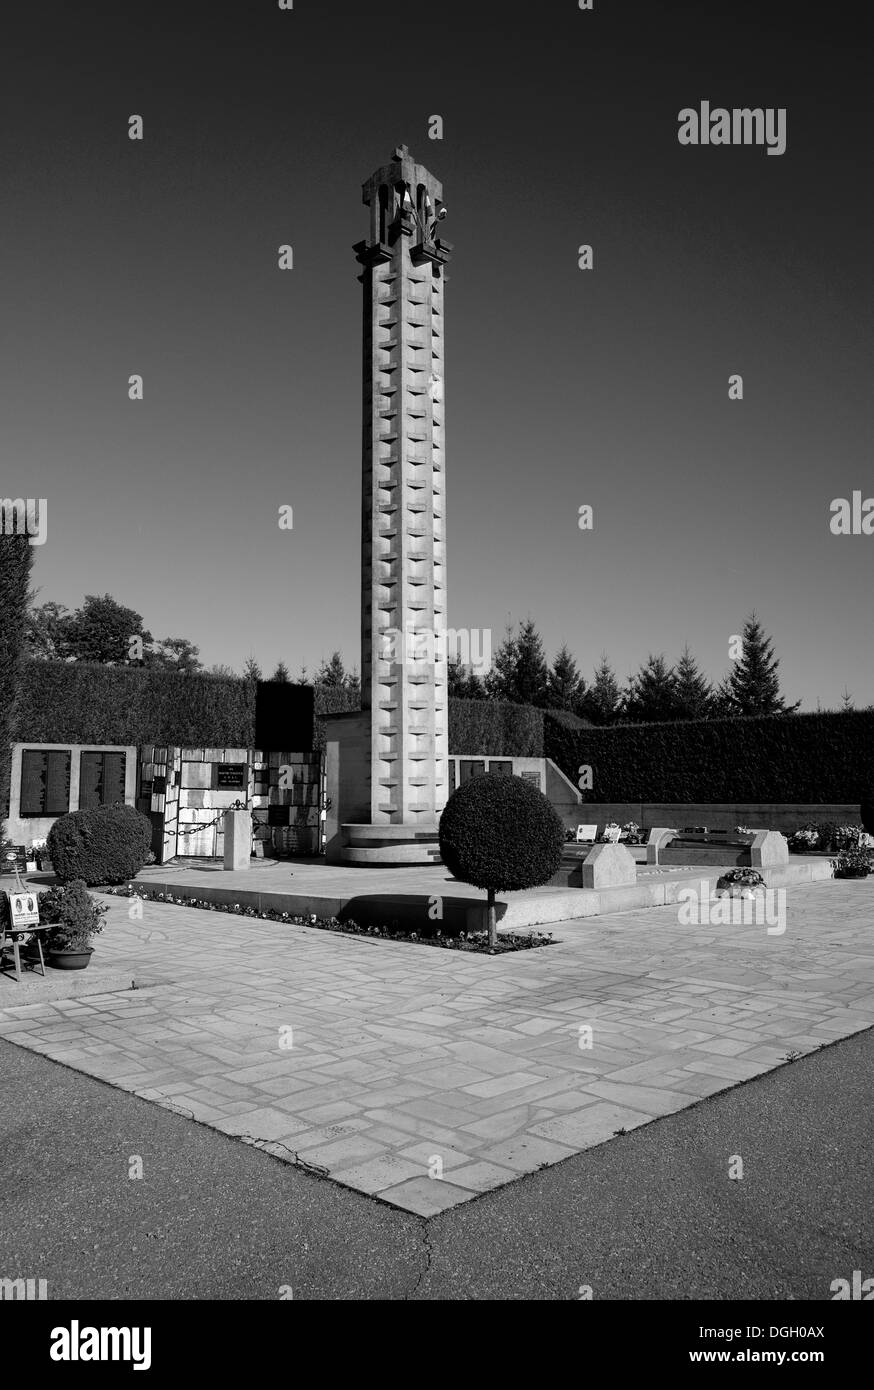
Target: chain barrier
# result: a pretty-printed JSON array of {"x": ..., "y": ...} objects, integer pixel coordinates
[{"x": 197, "y": 829}]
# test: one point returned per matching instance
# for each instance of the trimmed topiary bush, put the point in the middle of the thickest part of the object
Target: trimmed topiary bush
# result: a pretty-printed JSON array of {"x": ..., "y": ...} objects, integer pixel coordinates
[
  {"x": 500, "y": 834},
  {"x": 106, "y": 845}
]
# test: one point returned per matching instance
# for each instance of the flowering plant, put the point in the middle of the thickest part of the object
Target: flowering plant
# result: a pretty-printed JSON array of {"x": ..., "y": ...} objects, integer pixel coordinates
[
  {"x": 806, "y": 838},
  {"x": 853, "y": 863},
  {"x": 746, "y": 881},
  {"x": 73, "y": 915},
  {"x": 751, "y": 876}
]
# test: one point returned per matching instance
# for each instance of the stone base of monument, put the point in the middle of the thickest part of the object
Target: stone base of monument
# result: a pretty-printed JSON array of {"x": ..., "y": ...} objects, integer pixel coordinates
[{"x": 385, "y": 846}]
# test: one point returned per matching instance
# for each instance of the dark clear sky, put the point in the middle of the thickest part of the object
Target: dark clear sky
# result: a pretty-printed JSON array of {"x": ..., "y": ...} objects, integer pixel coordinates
[{"x": 563, "y": 387}]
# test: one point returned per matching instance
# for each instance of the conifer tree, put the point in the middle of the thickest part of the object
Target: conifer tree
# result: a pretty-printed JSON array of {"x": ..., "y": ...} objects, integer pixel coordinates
[
  {"x": 566, "y": 686},
  {"x": 332, "y": 673},
  {"x": 693, "y": 692},
  {"x": 531, "y": 674},
  {"x": 500, "y": 681},
  {"x": 602, "y": 701},
  {"x": 753, "y": 685},
  {"x": 651, "y": 694}
]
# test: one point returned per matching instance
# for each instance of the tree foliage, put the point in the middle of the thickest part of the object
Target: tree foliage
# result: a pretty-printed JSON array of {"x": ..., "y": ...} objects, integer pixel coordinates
[
  {"x": 603, "y": 700},
  {"x": 752, "y": 687},
  {"x": 651, "y": 694},
  {"x": 16, "y": 557},
  {"x": 104, "y": 631}
]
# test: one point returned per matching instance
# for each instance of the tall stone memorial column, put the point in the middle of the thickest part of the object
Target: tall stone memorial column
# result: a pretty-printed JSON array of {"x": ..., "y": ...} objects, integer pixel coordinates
[{"x": 403, "y": 519}]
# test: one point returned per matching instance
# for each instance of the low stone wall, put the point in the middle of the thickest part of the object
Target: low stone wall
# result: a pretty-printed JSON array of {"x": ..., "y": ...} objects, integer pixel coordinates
[{"x": 762, "y": 815}]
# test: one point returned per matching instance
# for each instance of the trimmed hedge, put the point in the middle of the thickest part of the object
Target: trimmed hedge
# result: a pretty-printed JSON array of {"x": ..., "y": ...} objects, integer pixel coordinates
[
  {"x": 780, "y": 758},
  {"x": 84, "y": 702},
  {"x": 330, "y": 700},
  {"x": 500, "y": 833},
  {"x": 495, "y": 728},
  {"x": 109, "y": 844}
]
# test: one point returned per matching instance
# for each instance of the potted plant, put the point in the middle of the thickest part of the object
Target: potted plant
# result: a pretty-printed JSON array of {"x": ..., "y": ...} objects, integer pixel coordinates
[
  {"x": 853, "y": 863},
  {"x": 740, "y": 883},
  {"x": 73, "y": 917}
]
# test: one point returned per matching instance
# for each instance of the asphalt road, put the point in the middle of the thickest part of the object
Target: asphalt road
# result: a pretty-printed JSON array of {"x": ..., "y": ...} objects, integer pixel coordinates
[{"x": 651, "y": 1215}]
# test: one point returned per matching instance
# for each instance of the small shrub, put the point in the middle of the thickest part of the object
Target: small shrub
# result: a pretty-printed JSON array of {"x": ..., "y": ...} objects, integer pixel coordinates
[
  {"x": 500, "y": 834},
  {"x": 853, "y": 863},
  {"x": 72, "y": 914},
  {"x": 106, "y": 845}
]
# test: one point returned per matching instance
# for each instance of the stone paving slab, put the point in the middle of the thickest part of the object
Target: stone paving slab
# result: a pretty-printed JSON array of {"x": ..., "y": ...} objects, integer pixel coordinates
[{"x": 426, "y": 1077}]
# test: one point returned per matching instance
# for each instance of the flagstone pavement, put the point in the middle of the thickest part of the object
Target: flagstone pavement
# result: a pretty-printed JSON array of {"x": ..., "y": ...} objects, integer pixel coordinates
[{"x": 426, "y": 1076}]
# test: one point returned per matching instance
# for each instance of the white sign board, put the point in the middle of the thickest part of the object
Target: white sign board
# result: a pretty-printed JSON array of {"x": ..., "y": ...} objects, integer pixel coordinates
[{"x": 23, "y": 910}]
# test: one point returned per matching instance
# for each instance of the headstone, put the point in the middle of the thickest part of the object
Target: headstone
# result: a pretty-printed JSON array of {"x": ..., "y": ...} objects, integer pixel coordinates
[
  {"x": 769, "y": 850},
  {"x": 659, "y": 836},
  {"x": 609, "y": 866},
  {"x": 238, "y": 839}
]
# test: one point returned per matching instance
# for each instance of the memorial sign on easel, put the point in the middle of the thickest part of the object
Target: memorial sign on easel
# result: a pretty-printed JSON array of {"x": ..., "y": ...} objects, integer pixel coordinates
[
  {"x": 23, "y": 910},
  {"x": 23, "y": 903}
]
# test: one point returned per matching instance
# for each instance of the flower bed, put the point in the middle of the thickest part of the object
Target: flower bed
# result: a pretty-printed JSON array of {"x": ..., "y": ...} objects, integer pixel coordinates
[{"x": 477, "y": 941}]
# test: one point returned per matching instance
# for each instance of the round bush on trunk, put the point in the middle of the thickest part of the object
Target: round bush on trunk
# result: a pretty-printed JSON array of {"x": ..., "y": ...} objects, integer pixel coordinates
[
  {"x": 501, "y": 834},
  {"x": 106, "y": 845}
]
